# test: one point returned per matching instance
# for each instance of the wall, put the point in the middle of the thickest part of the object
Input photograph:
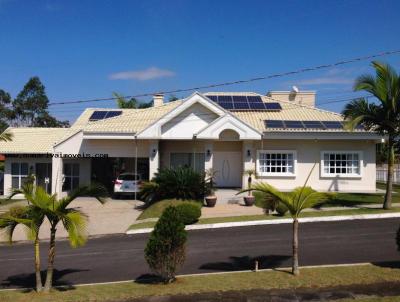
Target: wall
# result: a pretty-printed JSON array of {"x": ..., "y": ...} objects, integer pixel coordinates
[
  {"x": 306, "y": 98},
  {"x": 308, "y": 152}
]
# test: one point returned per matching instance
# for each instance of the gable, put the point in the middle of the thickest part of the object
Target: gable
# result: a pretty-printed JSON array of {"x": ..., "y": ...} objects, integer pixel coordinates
[{"x": 188, "y": 122}]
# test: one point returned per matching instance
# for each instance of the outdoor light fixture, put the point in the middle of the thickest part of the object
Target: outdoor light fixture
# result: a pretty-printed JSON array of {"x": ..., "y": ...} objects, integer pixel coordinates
[
  {"x": 248, "y": 152},
  {"x": 208, "y": 152},
  {"x": 154, "y": 151}
]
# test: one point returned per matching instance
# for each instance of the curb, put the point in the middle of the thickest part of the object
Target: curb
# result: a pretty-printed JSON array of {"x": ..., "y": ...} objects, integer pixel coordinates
[{"x": 275, "y": 221}]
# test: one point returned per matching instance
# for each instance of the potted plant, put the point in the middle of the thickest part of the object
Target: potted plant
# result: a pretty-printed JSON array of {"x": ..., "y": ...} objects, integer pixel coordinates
[
  {"x": 210, "y": 197},
  {"x": 249, "y": 200}
]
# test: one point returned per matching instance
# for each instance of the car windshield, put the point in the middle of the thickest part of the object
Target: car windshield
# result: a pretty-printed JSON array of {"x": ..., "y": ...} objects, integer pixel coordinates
[{"x": 129, "y": 177}]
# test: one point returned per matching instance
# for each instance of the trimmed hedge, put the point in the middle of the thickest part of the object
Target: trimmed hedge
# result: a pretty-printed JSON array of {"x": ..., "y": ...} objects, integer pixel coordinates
[{"x": 189, "y": 212}]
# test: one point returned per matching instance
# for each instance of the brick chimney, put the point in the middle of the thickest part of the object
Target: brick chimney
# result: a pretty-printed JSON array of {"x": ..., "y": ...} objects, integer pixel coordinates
[
  {"x": 158, "y": 100},
  {"x": 306, "y": 98}
]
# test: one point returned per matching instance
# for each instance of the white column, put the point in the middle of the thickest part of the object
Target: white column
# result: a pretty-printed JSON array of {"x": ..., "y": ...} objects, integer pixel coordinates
[
  {"x": 249, "y": 160},
  {"x": 208, "y": 152},
  {"x": 56, "y": 176},
  {"x": 154, "y": 158}
]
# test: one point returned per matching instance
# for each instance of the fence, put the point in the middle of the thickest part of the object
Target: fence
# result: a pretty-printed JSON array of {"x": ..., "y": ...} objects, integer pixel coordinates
[{"x": 381, "y": 175}]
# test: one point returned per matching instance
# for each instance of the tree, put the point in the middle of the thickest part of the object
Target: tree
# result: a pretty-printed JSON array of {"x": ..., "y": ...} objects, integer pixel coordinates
[
  {"x": 132, "y": 103},
  {"x": 296, "y": 201},
  {"x": 42, "y": 204},
  {"x": 31, "y": 102},
  {"x": 165, "y": 250},
  {"x": 46, "y": 120},
  {"x": 31, "y": 217},
  {"x": 383, "y": 116},
  {"x": 6, "y": 112}
]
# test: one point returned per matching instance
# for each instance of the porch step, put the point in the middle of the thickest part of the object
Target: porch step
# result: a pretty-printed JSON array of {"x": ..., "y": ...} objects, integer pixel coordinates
[{"x": 228, "y": 196}]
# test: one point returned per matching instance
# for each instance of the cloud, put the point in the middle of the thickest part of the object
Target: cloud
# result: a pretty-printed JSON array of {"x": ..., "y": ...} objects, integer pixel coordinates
[{"x": 142, "y": 75}]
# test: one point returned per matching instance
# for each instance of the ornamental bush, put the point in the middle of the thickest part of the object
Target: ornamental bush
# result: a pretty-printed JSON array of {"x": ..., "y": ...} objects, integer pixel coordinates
[
  {"x": 189, "y": 212},
  {"x": 180, "y": 183},
  {"x": 165, "y": 250}
]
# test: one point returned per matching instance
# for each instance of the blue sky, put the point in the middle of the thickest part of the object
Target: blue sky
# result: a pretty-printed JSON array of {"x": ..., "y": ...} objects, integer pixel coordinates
[{"x": 88, "y": 49}]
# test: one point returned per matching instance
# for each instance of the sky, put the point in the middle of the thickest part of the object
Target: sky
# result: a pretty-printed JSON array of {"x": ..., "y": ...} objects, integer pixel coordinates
[{"x": 89, "y": 49}]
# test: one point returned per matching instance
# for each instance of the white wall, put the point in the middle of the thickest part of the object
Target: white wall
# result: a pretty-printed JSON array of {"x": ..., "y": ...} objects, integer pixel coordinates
[
  {"x": 188, "y": 122},
  {"x": 309, "y": 152}
]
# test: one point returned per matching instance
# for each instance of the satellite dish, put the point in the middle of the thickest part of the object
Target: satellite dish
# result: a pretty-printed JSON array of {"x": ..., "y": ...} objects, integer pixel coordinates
[{"x": 295, "y": 89}]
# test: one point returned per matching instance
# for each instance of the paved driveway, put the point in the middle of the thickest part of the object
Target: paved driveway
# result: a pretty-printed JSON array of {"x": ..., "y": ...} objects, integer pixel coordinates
[{"x": 114, "y": 217}]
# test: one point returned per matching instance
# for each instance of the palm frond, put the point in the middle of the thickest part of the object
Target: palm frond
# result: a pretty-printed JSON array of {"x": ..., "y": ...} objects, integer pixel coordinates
[
  {"x": 6, "y": 136},
  {"x": 94, "y": 190},
  {"x": 75, "y": 222}
]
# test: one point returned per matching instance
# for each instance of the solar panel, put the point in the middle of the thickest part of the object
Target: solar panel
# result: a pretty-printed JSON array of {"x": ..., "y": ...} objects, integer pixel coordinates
[
  {"x": 274, "y": 124},
  {"x": 101, "y": 115},
  {"x": 113, "y": 113},
  {"x": 97, "y": 115},
  {"x": 226, "y": 105},
  {"x": 257, "y": 106},
  {"x": 273, "y": 106},
  {"x": 332, "y": 124},
  {"x": 293, "y": 124},
  {"x": 254, "y": 99},
  {"x": 239, "y": 99},
  {"x": 241, "y": 106},
  {"x": 213, "y": 98},
  {"x": 224, "y": 98},
  {"x": 313, "y": 124}
]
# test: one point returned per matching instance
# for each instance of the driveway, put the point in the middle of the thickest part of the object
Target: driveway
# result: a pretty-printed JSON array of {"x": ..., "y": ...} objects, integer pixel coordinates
[{"x": 114, "y": 217}]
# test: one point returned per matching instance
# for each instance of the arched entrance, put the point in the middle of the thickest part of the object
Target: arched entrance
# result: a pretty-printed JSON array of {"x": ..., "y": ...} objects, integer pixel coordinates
[{"x": 227, "y": 160}]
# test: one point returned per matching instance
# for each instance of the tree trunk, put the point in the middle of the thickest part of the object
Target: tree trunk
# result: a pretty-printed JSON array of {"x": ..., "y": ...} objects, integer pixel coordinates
[
  {"x": 295, "y": 266},
  {"x": 387, "y": 204},
  {"x": 39, "y": 286},
  {"x": 50, "y": 265}
]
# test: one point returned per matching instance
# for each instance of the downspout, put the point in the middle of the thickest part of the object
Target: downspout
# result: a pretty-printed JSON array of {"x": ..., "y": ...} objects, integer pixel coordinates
[{"x": 194, "y": 152}]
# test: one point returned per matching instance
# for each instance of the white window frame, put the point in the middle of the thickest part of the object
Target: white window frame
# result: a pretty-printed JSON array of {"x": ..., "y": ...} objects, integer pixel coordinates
[
  {"x": 277, "y": 174},
  {"x": 342, "y": 175},
  {"x": 19, "y": 175}
]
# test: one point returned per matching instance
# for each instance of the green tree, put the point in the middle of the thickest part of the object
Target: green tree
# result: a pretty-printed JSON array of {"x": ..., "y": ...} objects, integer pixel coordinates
[
  {"x": 165, "y": 250},
  {"x": 296, "y": 201},
  {"x": 382, "y": 116},
  {"x": 42, "y": 204},
  {"x": 132, "y": 103}
]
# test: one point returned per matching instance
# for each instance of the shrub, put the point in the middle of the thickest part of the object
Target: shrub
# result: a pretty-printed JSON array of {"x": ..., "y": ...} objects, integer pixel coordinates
[
  {"x": 189, "y": 212},
  {"x": 180, "y": 183},
  {"x": 281, "y": 209},
  {"x": 165, "y": 250}
]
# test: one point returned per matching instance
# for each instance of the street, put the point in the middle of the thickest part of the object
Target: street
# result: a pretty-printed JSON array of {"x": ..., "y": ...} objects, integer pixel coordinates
[{"x": 120, "y": 257}]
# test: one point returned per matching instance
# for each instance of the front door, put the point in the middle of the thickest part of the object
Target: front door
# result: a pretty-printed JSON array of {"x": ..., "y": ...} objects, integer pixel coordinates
[
  {"x": 228, "y": 168},
  {"x": 43, "y": 176}
]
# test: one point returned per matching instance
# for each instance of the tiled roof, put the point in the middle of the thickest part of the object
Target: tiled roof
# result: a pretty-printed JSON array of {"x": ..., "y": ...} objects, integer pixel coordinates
[
  {"x": 130, "y": 121},
  {"x": 32, "y": 140}
]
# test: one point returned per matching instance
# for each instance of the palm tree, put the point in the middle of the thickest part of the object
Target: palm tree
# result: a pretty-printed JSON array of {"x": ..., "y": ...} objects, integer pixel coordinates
[
  {"x": 6, "y": 136},
  {"x": 73, "y": 220},
  {"x": 31, "y": 218},
  {"x": 383, "y": 116},
  {"x": 43, "y": 205},
  {"x": 296, "y": 201}
]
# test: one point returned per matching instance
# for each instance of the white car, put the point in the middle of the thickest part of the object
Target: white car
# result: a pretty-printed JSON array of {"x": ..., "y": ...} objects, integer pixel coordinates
[{"x": 127, "y": 184}]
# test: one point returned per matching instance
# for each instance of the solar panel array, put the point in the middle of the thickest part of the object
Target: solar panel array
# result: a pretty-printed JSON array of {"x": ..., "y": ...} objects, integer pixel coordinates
[
  {"x": 285, "y": 124},
  {"x": 244, "y": 102},
  {"x": 101, "y": 115}
]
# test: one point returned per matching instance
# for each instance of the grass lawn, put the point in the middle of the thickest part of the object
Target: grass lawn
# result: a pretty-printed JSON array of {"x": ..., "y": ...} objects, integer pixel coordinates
[
  {"x": 279, "y": 279},
  {"x": 156, "y": 209},
  {"x": 151, "y": 224},
  {"x": 4, "y": 201}
]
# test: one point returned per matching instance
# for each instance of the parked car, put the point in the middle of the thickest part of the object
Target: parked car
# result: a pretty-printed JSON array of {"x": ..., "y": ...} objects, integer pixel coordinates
[{"x": 127, "y": 184}]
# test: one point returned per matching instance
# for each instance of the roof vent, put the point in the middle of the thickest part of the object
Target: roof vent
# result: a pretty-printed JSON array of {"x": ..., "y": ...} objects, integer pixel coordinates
[{"x": 158, "y": 100}]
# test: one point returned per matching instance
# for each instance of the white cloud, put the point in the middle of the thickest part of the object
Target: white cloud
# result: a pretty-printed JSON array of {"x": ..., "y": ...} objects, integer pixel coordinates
[{"x": 142, "y": 75}]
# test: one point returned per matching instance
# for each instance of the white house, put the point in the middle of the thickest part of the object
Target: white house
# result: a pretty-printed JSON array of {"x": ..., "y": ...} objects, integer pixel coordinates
[{"x": 280, "y": 135}]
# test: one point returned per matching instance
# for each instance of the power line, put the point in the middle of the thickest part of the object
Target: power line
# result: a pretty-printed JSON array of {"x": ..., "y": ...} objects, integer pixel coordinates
[{"x": 277, "y": 75}]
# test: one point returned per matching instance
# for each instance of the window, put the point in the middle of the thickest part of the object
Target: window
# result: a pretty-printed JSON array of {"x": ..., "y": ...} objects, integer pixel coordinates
[
  {"x": 276, "y": 163},
  {"x": 71, "y": 177},
  {"x": 19, "y": 173},
  {"x": 341, "y": 163},
  {"x": 195, "y": 161}
]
